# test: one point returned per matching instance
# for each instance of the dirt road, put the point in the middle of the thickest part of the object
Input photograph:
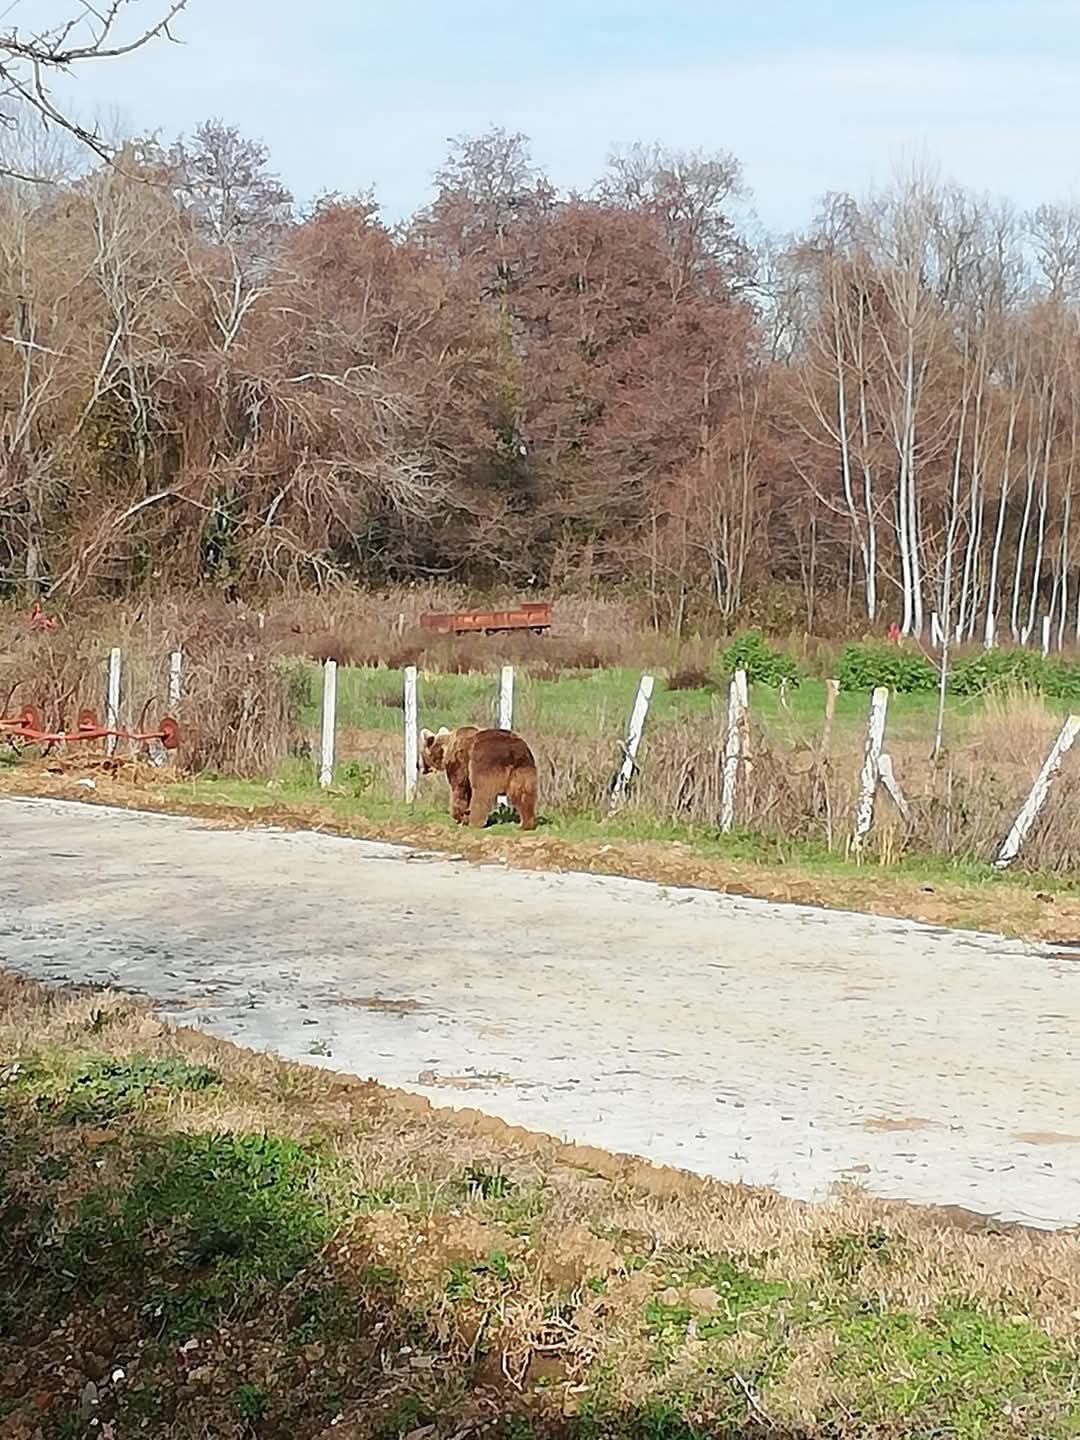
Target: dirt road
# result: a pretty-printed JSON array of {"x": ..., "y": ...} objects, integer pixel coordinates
[{"x": 773, "y": 1044}]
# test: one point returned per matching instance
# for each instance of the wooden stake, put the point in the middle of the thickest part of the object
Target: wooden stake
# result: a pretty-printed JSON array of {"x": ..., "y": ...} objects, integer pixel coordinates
[{"x": 1035, "y": 801}]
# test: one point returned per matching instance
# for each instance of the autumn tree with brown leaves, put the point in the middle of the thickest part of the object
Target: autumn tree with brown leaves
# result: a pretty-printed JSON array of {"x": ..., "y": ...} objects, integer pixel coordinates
[{"x": 877, "y": 419}]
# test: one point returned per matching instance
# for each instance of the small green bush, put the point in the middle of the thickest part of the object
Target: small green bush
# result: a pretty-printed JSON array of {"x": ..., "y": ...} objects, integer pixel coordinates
[
  {"x": 863, "y": 667},
  {"x": 908, "y": 672},
  {"x": 1002, "y": 669},
  {"x": 752, "y": 653}
]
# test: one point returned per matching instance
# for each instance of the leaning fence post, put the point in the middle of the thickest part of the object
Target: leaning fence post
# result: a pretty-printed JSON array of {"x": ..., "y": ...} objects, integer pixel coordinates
[
  {"x": 871, "y": 769},
  {"x": 1029, "y": 812},
  {"x": 176, "y": 676},
  {"x": 412, "y": 734},
  {"x": 329, "y": 724},
  {"x": 892, "y": 785},
  {"x": 734, "y": 747},
  {"x": 112, "y": 699},
  {"x": 634, "y": 733}
]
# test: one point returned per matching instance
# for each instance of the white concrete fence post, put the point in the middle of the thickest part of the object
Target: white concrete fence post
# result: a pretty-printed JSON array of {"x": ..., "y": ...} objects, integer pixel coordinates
[
  {"x": 871, "y": 768},
  {"x": 634, "y": 732},
  {"x": 412, "y": 735},
  {"x": 1046, "y": 635},
  {"x": 176, "y": 677},
  {"x": 734, "y": 747},
  {"x": 329, "y": 724},
  {"x": 506, "y": 698},
  {"x": 1035, "y": 801},
  {"x": 112, "y": 699},
  {"x": 505, "y": 716}
]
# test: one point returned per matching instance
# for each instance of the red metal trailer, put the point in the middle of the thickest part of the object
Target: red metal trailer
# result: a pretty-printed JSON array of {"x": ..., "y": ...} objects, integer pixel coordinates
[{"x": 534, "y": 616}]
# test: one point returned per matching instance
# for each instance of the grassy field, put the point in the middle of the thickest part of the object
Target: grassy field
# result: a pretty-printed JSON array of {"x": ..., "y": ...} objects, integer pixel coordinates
[
  {"x": 796, "y": 797},
  {"x": 599, "y": 701},
  {"x": 201, "y": 1242}
]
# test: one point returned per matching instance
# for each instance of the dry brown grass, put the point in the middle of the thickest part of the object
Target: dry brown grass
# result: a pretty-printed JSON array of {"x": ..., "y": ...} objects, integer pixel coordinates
[{"x": 588, "y": 1242}]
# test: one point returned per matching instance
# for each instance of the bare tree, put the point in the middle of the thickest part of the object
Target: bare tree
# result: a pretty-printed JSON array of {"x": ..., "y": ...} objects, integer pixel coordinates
[{"x": 32, "y": 58}]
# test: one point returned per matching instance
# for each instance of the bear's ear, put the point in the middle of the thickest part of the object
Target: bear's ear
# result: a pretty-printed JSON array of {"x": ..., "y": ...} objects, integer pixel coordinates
[
  {"x": 442, "y": 730},
  {"x": 426, "y": 737}
]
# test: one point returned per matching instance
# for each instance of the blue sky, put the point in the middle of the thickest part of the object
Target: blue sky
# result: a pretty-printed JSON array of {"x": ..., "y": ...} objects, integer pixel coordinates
[{"x": 810, "y": 96}]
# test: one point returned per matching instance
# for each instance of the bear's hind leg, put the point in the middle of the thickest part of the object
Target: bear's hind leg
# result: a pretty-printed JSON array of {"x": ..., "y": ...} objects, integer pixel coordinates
[
  {"x": 483, "y": 802},
  {"x": 521, "y": 792}
]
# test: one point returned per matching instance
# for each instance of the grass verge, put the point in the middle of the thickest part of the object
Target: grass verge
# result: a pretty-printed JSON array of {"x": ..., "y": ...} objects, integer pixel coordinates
[{"x": 200, "y": 1241}]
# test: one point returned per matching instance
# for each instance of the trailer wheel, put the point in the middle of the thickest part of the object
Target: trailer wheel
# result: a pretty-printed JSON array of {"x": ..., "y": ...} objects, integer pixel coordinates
[{"x": 539, "y": 629}]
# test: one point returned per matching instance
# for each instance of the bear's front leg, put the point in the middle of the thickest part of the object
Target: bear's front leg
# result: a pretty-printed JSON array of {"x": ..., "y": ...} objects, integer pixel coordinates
[{"x": 460, "y": 802}]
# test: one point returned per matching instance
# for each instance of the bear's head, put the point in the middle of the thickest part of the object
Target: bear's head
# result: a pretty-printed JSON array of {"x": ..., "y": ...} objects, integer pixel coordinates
[{"x": 433, "y": 750}]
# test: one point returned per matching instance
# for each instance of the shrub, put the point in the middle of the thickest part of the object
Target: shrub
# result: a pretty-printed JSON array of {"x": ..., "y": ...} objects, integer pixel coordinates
[
  {"x": 863, "y": 667},
  {"x": 1003, "y": 669},
  {"x": 752, "y": 653},
  {"x": 690, "y": 677}
]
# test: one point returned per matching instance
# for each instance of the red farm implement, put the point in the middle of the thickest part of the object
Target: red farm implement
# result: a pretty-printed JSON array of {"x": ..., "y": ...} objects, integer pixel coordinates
[
  {"x": 535, "y": 617},
  {"x": 28, "y": 728}
]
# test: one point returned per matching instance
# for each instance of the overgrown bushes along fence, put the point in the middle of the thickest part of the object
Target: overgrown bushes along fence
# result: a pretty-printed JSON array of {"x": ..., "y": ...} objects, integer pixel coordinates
[{"x": 250, "y": 708}]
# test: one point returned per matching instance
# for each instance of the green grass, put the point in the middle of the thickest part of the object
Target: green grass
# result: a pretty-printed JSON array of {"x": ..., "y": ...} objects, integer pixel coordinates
[
  {"x": 577, "y": 703},
  {"x": 242, "y": 1214},
  {"x": 962, "y": 1368},
  {"x": 599, "y": 701}
]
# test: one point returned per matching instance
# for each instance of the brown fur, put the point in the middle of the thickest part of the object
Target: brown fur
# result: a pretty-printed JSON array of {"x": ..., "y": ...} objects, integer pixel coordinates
[{"x": 481, "y": 765}]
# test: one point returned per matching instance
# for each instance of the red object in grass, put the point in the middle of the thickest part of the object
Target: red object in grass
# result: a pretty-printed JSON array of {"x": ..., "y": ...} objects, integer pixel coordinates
[
  {"x": 534, "y": 616},
  {"x": 894, "y": 633},
  {"x": 39, "y": 620}
]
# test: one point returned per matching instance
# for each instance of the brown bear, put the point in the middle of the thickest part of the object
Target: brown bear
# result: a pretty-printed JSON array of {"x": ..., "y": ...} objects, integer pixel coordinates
[{"x": 481, "y": 765}]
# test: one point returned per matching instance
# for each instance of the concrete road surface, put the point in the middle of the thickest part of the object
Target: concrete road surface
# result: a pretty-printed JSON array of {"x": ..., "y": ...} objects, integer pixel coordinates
[{"x": 778, "y": 1045}]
